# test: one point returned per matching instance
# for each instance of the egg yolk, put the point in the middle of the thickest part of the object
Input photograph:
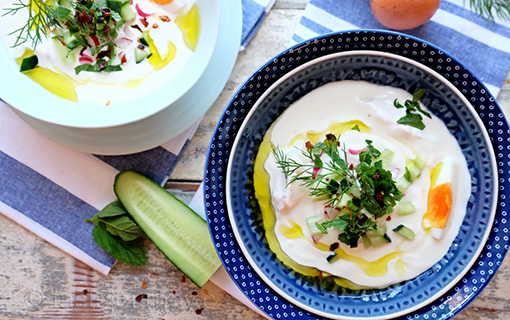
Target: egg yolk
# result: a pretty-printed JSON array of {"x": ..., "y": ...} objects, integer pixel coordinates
[
  {"x": 163, "y": 1},
  {"x": 439, "y": 205}
]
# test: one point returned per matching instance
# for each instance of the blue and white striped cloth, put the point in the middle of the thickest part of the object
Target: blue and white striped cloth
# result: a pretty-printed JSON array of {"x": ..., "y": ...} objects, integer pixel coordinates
[
  {"x": 482, "y": 46},
  {"x": 254, "y": 12},
  {"x": 50, "y": 189}
]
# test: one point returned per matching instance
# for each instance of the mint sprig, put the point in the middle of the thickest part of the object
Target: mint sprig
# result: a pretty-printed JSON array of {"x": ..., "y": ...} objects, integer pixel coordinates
[
  {"x": 118, "y": 234},
  {"x": 413, "y": 117}
]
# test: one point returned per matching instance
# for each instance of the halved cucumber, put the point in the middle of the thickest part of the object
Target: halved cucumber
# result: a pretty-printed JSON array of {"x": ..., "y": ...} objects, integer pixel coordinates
[{"x": 178, "y": 232}]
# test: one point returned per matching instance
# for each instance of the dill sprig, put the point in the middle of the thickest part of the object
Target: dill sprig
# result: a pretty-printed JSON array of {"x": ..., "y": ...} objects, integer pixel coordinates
[
  {"x": 491, "y": 8},
  {"x": 41, "y": 16},
  {"x": 368, "y": 185}
]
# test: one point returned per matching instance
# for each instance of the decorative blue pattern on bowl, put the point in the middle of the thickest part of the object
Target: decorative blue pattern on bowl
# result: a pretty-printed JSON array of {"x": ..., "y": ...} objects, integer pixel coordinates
[{"x": 400, "y": 298}]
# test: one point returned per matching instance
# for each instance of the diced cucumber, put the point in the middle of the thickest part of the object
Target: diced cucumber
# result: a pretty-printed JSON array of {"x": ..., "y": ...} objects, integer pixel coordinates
[
  {"x": 332, "y": 258},
  {"x": 144, "y": 38},
  {"x": 377, "y": 240},
  {"x": 344, "y": 200},
  {"x": 29, "y": 63},
  {"x": 354, "y": 192},
  {"x": 404, "y": 232},
  {"x": 402, "y": 184},
  {"x": 412, "y": 172},
  {"x": 140, "y": 54},
  {"x": 312, "y": 224},
  {"x": 366, "y": 241},
  {"x": 127, "y": 13},
  {"x": 64, "y": 53},
  {"x": 179, "y": 233},
  {"x": 381, "y": 229},
  {"x": 415, "y": 168},
  {"x": 386, "y": 157},
  {"x": 405, "y": 208}
]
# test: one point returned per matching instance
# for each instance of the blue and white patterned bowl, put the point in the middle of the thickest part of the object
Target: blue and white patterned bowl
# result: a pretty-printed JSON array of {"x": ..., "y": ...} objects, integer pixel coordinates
[{"x": 456, "y": 96}]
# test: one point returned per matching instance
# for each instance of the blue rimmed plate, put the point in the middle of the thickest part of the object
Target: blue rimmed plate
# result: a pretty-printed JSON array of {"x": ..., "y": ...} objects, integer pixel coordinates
[{"x": 464, "y": 271}]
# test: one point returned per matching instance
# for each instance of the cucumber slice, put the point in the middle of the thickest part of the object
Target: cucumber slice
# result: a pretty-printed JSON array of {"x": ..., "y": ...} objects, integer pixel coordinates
[
  {"x": 404, "y": 232},
  {"x": 178, "y": 232},
  {"x": 29, "y": 63}
]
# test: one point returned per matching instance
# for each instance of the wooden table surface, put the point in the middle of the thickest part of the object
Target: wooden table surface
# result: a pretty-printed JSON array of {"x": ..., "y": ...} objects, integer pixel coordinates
[{"x": 38, "y": 281}]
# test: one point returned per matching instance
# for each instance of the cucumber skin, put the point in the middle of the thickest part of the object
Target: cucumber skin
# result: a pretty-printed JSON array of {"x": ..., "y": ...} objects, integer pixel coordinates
[{"x": 198, "y": 274}]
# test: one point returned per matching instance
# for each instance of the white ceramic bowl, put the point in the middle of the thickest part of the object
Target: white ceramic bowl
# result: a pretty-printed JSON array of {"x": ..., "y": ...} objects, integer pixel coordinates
[{"x": 136, "y": 125}]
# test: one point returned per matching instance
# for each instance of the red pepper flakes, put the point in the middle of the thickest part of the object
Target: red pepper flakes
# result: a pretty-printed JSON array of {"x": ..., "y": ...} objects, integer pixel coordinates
[
  {"x": 174, "y": 292},
  {"x": 388, "y": 218},
  {"x": 199, "y": 311},
  {"x": 144, "y": 284},
  {"x": 183, "y": 279},
  {"x": 153, "y": 273},
  {"x": 155, "y": 26},
  {"x": 205, "y": 291},
  {"x": 140, "y": 297},
  {"x": 62, "y": 41},
  {"x": 164, "y": 18}
]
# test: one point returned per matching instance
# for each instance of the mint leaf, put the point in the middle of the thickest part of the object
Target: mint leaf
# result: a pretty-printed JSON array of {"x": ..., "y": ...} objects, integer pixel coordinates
[
  {"x": 123, "y": 227},
  {"x": 128, "y": 252},
  {"x": 413, "y": 110},
  {"x": 113, "y": 209}
]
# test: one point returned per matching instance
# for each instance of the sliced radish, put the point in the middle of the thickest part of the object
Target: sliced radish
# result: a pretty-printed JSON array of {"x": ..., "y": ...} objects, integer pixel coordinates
[
  {"x": 95, "y": 40},
  {"x": 124, "y": 42},
  {"x": 143, "y": 12},
  {"x": 85, "y": 59},
  {"x": 356, "y": 151}
]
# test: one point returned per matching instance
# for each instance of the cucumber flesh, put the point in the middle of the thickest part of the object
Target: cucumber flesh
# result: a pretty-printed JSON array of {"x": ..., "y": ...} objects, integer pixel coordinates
[
  {"x": 178, "y": 232},
  {"x": 404, "y": 231},
  {"x": 140, "y": 55}
]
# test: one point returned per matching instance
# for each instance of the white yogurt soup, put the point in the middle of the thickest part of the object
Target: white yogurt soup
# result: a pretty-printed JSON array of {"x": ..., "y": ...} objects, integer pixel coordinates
[
  {"x": 341, "y": 233},
  {"x": 141, "y": 46}
]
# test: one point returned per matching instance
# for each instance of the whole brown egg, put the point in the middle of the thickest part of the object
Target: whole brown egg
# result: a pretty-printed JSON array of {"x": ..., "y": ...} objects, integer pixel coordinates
[{"x": 403, "y": 14}]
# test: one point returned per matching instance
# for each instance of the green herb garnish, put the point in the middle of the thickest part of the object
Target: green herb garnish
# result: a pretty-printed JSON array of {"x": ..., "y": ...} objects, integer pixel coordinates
[
  {"x": 413, "y": 117},
  {"x": 118, "y": 234},
  {"x": 491, "y": 8},
  {"x": 371, "y": 188},
  {"x": 77, "y": 25}
]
